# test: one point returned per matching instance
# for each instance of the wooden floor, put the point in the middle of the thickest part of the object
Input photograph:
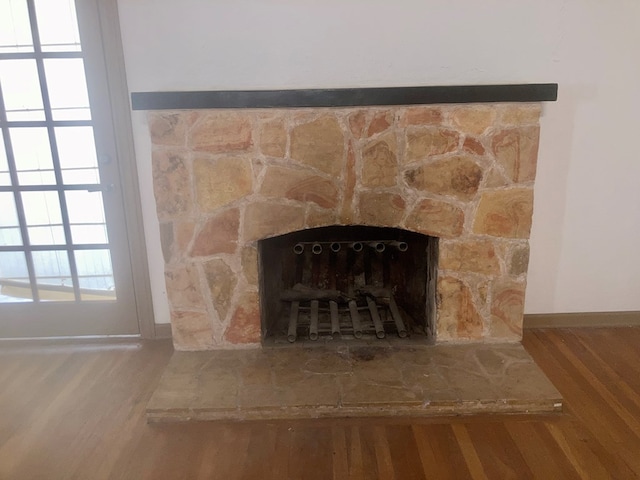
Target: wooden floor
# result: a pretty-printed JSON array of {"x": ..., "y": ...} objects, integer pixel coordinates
[{"x": 77, "y": 411}]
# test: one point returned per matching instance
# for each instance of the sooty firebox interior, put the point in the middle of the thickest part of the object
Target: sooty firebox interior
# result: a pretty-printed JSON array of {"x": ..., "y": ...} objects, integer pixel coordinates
[{"x": 346, "y": 282}]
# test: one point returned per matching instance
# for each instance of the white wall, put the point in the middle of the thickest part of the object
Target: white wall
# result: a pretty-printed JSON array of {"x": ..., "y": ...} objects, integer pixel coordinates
[{"x": 586, "y": 214}]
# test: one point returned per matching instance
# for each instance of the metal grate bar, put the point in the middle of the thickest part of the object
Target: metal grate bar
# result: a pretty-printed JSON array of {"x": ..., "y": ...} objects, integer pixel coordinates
[
  {"x": 375, "y": 316},
  {"x": 355, "y": 319},
  {"x": 293, "y": 322}
]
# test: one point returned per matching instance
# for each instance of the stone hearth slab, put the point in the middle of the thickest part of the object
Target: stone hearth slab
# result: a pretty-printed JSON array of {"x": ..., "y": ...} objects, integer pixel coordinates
[{"x": 351, "y": 380}]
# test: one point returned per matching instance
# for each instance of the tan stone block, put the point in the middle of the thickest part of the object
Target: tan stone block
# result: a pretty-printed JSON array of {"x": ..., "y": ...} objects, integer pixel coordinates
[
  {"x": 516, "y": 150},
  {"x": 520, "y": 114},
  {"x": 263, "y": 220},
  {"x": 379, "y": 163},
  {"x": 222, "y": 281},
  {"x": 218, "y": 235},
  {"x": 357, "y": 122},
  {"x": 319, "y": 217},
  {"x": 505, "y": 213},
  {"x": 475, "y": 119},
  {"x": 519, "y": 260},
  {"x": 507, "y": 309},
  {"x": 301, "y": 185},
  {"x": 380, "y": 122},
  {"x": 421, "y": 116},
  {"x": 459, "y": 177},
  {"x": 381, "y": 208},
  {"x": 183, "y": 286},
  {"x": 221, "y": 181},
  {"x": 430, "y": 141},
  {"x": 477, "y": 256},
  {"x": 191, "y": 330},
  {"x": 183, "y": 232},
  {"x": 222, "y": 131},
  {"x": 245, "y": 323},
  {"x": 473, "y": 146},
  {"x": 346, "y": 212},
  {"x": 495, "y": 179},
  {"x": 319, "y": 144},
  {"x": 168, "y": 129},
  {"x": 171, "y": 184},
  {"x": 458, "y": 317},
  {"x": 273, "y": 139},
  {"x": 437, "y": 218},
  {"x": 250, "y": 265}
]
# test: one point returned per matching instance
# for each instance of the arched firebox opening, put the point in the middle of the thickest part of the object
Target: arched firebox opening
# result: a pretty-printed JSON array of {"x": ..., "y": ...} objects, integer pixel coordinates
[{"x": 347, "y": 282}]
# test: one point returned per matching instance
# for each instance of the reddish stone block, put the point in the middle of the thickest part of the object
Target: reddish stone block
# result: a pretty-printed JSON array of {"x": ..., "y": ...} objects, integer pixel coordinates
[
  {"x": 245, "y": 323},
  {"x": 458, "y": 317},
  {"x": 473, "y": 146},
  {"x": 516, "y": 150},
  {"x": 301, "y": 185},
  {"x": 357, "y": 122},
  {"x": 380, "y": 122},
  {"x": 221, "y": 131},
  {"x": 424, "y": 143},
  {"x": 459, "y": 177},
  {"x": 421, "y": 116},
  {"x": 507, "y": 309},
  {"x": 437, "y": 218},
  {"x": 218, "y": 235}
]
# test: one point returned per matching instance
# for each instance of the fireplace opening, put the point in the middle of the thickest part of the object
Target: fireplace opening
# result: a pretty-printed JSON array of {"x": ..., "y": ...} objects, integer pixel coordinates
[{"x": 347, "y": 282}]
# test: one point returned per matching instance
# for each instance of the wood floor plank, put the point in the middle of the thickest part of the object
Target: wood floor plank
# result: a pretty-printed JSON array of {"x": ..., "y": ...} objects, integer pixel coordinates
[
  {"x": 540, "y": 454},
  {"x": 340, "y": 453},
  {"x": 404, "y": 453},
  {"x": 585, "y": 403},
  {"x": 76, "y": 411},
  {"x": 474, "y": 464},
  {"x": 498, "y": 452}
]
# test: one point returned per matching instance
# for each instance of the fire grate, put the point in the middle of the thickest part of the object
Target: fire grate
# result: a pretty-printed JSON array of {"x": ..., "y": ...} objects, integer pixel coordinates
[{"x": 337, "y": 285}]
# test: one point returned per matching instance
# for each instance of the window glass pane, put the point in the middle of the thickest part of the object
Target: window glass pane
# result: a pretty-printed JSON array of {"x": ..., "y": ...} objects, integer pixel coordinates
[
  {"x": 95, "y": 275},
  {"x": 77, "y": 152},
  {"x": 15, "y": 31},
  {"x": 41, "y": 208},
  {"x": 32, "y": 154},
  {"x": 47, "y": 235},
  {"x": 14, "y": 278},
  {"x": 21, "y": 90},
  {"x": 57, "y": 25},
  {"x": 5, "y": 179},
  {"x": 67, "y": 88},
  {"x": 53, "y": 275},
  {"x": 86, "y": 217},
  {"x": 89, "y": 234},
  {"x": 85, "y": 207},
  {"x": 9, "y": 226}
]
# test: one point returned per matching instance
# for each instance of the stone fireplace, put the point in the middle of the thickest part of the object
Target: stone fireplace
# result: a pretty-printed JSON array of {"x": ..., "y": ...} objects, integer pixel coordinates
[{"x": 225, "y": 179}]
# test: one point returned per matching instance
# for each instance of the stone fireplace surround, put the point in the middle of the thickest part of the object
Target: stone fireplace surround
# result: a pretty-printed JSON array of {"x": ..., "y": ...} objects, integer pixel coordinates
[{"x": 226, "y": 178}]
